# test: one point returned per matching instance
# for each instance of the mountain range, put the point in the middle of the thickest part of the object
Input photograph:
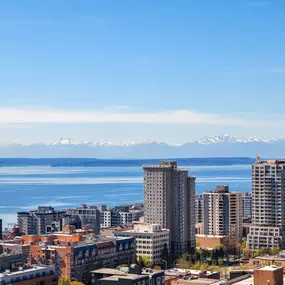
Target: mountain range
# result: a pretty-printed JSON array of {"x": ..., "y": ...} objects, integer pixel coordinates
[{"x": 217, "y": 146}]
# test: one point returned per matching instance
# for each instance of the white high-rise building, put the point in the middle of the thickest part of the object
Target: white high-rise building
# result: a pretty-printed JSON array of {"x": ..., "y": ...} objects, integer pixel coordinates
[
  {"x": 268, "y": 204},
  {"x": 169, "y": 200},
  {"x": 223, "y": 213}
]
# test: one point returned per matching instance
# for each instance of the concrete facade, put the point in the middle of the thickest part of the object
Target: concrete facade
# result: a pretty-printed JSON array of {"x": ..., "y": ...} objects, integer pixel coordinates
[
  {"x": 223, "y": 213},
  {"x": 89, "y": 216},
  {"x": 151, "y": 240},
  {"x": 247, "y": 205},
  {"x": 169, "y": 200},
  {"x": 268, "y": 204},
  {"x": 116, "y": 217},
  {"x": 38, "y": 222},
  {"x": 199, "y": 209}
]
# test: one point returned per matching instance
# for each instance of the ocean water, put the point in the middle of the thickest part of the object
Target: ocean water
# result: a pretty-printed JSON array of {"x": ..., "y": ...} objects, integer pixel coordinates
[{"x": 26, "y": 184}]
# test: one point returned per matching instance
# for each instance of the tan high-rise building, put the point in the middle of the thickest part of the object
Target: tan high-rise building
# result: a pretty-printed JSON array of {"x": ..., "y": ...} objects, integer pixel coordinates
[
  {"x": 223, "y": 213},
  {"x": 169, "y": 200},
  {"x": 268, "y": 204}
]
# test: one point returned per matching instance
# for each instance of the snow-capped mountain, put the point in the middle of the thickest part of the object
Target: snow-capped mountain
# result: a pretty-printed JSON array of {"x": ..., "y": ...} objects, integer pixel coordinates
[
  {"x": 217, "y": 146},
  {"x": 64, "y": 141},
  {"x": 68, "y": 141},
  {"x": 229, "y": 139}
]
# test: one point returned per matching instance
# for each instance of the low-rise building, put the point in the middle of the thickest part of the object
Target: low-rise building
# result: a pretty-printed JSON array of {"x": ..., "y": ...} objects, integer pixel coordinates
[
  {"x": 267, "y": 260},
  {"x": 11, "y": 261},
  {"x": 268, "y": 275},
  {"x": 210, "y": 241},
  {"x": 151, "y": 240},
  {"x": 264, "y": 236},
  {"x": 74, "y": 256},
  {"x": 179, "y": 273},
  {"x": 13, "y": 248},
  {"x": 133, "y": 276},
  {"x": 26, "y": 275}
]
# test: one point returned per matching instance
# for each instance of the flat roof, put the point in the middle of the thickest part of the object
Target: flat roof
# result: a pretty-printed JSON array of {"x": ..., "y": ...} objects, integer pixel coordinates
[
  {"x": 270, "y": 257},
  {"x": 209, "y": 236},
  {"x": 203, "y": 281},
  {"x": 249, "y": 281},
  {"x": 26, "y": 270},
  {"x": 108, "y": 271},
  {"x": 270, "y": 268},
  {"x": 127, "y": 276}
]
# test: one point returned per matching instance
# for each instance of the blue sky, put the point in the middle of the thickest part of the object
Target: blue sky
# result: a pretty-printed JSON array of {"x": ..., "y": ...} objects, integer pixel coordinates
[{"x": 139, "y": 69}]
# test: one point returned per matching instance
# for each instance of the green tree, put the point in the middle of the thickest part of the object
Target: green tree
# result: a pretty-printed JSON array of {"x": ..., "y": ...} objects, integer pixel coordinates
[
  {"x": 198, "y": 254},
  {"x": 258, "y": 252},
  {"x": 275, "y": 250},
  {"x": 144, "y": 261},
  {"x": 63, "y": 281},
  {"x": 186, "y": 256},
  {"x": 220, "y": 261},
  {"x": 122, "y": 265},
  {"x": 247, "y": 253},
  {"x": 243, "y": 244}
]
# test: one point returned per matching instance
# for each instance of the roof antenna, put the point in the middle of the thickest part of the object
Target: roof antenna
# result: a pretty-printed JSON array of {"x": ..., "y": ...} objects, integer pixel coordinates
[{"x": 257, "y": 158}]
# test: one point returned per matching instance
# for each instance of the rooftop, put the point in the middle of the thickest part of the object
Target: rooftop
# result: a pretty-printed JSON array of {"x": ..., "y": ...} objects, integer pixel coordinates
[
  {"x": 210, "y": 236},
  {"x": 202, "y": 281},
  {"x": 272, "y": 161},
  {"x": 25, "y": 269},
  {"x": 270, "y": 268},
  {"x": 127, "y": 276},
  {"x": 108, "y": 271}
]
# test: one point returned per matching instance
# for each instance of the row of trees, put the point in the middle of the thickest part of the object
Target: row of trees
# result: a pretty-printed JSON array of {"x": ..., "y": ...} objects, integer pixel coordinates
[{"x": 220, "y": 254}]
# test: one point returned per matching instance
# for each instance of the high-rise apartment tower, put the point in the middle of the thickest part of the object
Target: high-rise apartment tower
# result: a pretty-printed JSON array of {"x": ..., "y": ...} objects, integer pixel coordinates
[
  {"x": 268, "y": 204},
  {"x": 223, "y": 213},
  {"x": 199, "y": 208},
  {"x": 247, "y": 204},
  {"x": 169, "y": 200}
]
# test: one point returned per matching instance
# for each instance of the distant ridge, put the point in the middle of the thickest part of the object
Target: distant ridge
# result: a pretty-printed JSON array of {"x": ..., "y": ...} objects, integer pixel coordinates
[{"x": 218, "y": 146}]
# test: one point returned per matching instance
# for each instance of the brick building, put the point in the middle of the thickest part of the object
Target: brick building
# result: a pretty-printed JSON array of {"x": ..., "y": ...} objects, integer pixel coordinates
[{"x": 74, "y": 255}]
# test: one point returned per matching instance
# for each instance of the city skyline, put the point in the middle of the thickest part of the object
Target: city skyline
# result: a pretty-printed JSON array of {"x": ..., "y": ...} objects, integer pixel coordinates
[{"x": 127, "y": 70}]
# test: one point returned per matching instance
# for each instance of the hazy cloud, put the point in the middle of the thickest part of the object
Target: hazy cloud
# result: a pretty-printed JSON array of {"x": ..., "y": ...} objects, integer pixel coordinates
[
  {"x": 179, "y": 117},
  {"x": 279, "y": 70},
  {"x": 13, "y": 126},
  {"x": 256, "y": 4}
]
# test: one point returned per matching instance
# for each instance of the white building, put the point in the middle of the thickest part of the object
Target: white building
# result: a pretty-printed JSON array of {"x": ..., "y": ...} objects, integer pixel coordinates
[
  {"x": 151, "y": 240},
  {"x": 268, "y": 204},
  {"x": 223, "y": 213},
  {"x": 116, "y": 217}
]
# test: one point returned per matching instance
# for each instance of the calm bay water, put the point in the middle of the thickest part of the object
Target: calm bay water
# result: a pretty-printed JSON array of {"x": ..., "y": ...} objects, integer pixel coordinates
[{"x": 25, "y": 186}]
